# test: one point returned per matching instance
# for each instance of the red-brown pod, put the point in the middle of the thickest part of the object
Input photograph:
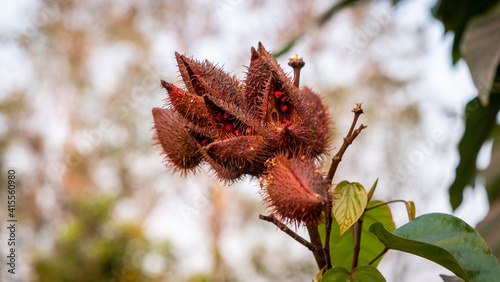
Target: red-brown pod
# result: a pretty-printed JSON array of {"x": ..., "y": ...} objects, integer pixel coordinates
[
  {"x": 180, "y": 149},
  {"x": 293, "y": 190}
]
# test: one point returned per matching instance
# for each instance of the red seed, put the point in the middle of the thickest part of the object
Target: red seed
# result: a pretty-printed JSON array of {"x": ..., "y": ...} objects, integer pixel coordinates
[
  {"x": 219, "y": 116},
  {"x": 277, "y": 94},
  {"x": 237, "y": 131},
  {"x": 287, "y": 122},
  {"x": 283, "y": 108},
  {"x": 283, "y": 99},
  {"x": 228, "y": 127},
  {"x": 225, "y": 115}
]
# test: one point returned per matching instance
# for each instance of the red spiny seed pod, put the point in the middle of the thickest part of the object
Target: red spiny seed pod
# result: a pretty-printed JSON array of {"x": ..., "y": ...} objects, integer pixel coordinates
[
  {"x": 292, "y": 117},
  {"x": 258, "y": 74},
  {"x": 318, "y": 121},
  {"x": 233, "y": 157},
  {"x": 190, "y": 106},
  {"x": 203, "y": 78},
  {"x": 180, "y": 149},
  {"x": 293, "y": 189}
]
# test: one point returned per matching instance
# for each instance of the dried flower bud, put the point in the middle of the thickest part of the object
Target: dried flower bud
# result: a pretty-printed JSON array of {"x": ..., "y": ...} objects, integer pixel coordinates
[{"x": 294, "y": 190}]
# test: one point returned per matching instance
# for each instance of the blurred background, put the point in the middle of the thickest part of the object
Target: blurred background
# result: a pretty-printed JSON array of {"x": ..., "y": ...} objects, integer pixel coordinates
[{"x": 78, "y": 81}]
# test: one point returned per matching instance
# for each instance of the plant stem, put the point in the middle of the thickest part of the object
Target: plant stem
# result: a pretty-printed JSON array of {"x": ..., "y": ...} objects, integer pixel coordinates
[
  {"x": 351, "y": 135},
  {"x": 328, "y": 226},
  {"x": 386, "y": 203},
  {"x": 296, "y": 63},
  {"x": 288, "y": 231},
  {"x": 318, "y": 253},
  {"x": 358, "y": 228},
  {"x": 379, "y": 255},
  {"x": 347, "y": 141}
]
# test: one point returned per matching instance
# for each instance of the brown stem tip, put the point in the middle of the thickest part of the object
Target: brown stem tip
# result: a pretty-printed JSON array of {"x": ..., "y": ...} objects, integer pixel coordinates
[
  {"x": 358, "y": 109},
  {"x": 296, "y": 63}
]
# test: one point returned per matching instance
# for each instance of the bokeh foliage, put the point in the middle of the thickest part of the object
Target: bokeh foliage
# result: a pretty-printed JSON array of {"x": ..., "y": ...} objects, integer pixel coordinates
[{"x": 91, "y": 246}]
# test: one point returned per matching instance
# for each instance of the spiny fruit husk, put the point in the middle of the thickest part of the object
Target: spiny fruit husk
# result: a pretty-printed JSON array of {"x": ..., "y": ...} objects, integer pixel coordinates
[
  {"x": 294, "y": 190},
  {"x": 180, "y": 149}
]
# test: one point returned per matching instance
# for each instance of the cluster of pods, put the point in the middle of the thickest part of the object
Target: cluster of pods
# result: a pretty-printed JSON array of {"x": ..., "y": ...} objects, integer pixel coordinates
[{"x": 263, "y": 126}]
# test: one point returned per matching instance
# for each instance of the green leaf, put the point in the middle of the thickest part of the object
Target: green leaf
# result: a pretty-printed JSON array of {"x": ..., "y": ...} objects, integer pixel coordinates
[
  {"x": 341, "y": 247},
  {"x": 349, "y": 204},
  {"x": 410, "y": 208},
  {"x": 479, "y": 122},
  {"x": 320, "y": 274},
  {"x": 480, "y": 48},
  {"x": 360, "y": 273},
  {"x": 455, "y": 15},
  {"x": 372, "y": 190},
  {"x": 492, "y": 173},
  {"x": 336, "y": 274},
  {"x": 446, "y": 240}
]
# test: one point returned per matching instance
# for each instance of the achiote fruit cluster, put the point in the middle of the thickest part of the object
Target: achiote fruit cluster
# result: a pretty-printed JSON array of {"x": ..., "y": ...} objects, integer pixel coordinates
[{"x": 264, "y": 126}]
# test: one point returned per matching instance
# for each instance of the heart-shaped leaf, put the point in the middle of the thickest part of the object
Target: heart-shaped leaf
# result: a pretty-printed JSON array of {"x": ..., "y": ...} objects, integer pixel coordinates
[
  {"x": 349, "y": 204},
  {"x": 341, "y": 247}
]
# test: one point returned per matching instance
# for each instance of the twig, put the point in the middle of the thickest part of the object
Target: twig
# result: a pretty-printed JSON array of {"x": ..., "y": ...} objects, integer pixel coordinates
[
  {"x": 379, "y": 255},
  {"x": 347, "y": 141},
  {"x": 328, "y": 226},
  {"x": 357, "y": 247},
  {"x": 288, "y": 231},
  {"x": 385, "y": 203},
  {"x": 318, "y": 253},
  {"x": 351, "y": 135}
]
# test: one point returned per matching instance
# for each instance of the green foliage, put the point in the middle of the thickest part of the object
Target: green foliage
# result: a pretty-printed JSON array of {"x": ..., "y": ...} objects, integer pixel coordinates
[
  {"x": 479, "y": 122},
  {"x": 93, "y": 247},
  {"x": 441, "y": 238},
  {"x": 480, "y": 50},
  {"x": 446, "y": 240},
  {"x": 476, "y": 25},
  {"x": 492, "y": 172},
  {"x": 360, "y": 273},
  {"x": 349, "y": 204},
  {"x": 455, "y": 16},
  {"x": 341, "y": 247}
]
